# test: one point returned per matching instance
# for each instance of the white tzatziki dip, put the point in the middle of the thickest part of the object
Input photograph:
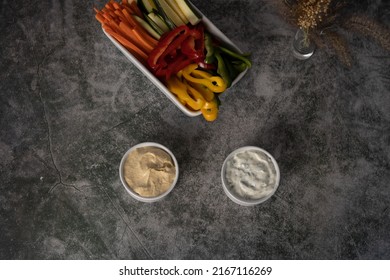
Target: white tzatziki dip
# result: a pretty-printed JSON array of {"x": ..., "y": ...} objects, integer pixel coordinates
[{"x": 251, "y": 174}]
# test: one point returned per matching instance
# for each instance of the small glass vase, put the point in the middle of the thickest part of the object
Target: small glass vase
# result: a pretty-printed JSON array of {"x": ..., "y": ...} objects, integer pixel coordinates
[{"x": 302, "y": 47}]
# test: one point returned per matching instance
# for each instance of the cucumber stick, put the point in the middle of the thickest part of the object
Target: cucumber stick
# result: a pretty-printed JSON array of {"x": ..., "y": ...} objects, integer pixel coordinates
[
  {"x": 149, "y": 5},
  {"x": 156, "y": 19},
  {"x": 153, "y": 24},
  {"x": 161, "y": 12},
  {"x": 147, "y": 26},
  {"x": 190, "y": 14},
  {"x": 177, "y": 10},
  {"x": 169, "y": 12}
]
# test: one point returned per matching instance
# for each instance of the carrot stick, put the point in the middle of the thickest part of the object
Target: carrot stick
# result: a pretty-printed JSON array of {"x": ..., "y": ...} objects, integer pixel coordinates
[
  {"x": 147, "y": 45},
  {"x": 115, "y": 27},
  {"x": 146, "y": 35},
  {"x": 128, "y": 45},
  {"x": 135, "y": 8},
  {"x": 134, "y": 38},
  {"x": 121, "y": 16},
  {"x": 130, "y": 19},
  {"x": 110, "y": 6},
  {"x": 100, "y": 18},
  {"x": 128, "y": 9},
  {"x": 116, "y": 5},
  {"x": 108, "y": 17}
]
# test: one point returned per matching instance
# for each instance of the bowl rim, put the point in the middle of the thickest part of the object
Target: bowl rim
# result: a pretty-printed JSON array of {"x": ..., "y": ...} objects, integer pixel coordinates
[
  {"x": 129, "y": 189},
  {"x": 236, "y": 198}
]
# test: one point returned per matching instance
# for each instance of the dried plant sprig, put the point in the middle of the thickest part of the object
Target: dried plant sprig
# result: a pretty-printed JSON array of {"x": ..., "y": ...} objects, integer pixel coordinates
[
  {"x": 340, "y": 46},
  {"x": 368, "y": 27},
  {"x": 321, "y": 19},
  {"x": 311, "y": 12}
]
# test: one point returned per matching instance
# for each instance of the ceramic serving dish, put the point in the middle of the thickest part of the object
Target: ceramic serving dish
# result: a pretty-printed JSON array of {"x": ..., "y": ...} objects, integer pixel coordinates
[{"x": 213, "y": 30}]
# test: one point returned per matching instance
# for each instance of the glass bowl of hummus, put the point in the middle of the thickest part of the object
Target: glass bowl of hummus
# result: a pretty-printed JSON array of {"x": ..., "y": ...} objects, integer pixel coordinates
[
  {"x": 250, "y": 175},
  {"x": 148, "y": 171}
]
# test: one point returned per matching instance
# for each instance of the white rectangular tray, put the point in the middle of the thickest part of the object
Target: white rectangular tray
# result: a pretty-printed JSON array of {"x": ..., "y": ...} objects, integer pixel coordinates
[{"x": 209, "y": 27}]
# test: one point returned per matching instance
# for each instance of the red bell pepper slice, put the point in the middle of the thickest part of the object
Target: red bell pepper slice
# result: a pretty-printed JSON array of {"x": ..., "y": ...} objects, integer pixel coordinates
[
  {"x": 169, "y": 43},
  {"x": 175, "y": 65},
  {"x": 177, "y": 49},
  {"x": 199, "y": 43},
  {"x": 193, "y": 45},
  {"x": 207, "y": 66}
]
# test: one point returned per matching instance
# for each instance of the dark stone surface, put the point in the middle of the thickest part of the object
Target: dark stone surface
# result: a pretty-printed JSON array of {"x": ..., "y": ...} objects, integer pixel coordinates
[{"x": 71, "y": 104}]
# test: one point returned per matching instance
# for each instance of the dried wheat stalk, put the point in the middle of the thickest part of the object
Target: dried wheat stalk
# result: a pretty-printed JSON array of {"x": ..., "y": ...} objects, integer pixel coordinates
[
  {"x": 321, "y": 18},
  {"x": 368, "y": 27},
  {"x": 340, "y": 46}
]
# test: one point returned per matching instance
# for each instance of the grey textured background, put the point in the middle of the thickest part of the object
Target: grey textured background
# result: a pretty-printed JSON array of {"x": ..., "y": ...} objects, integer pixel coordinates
[{"x": 71, "y": 104}]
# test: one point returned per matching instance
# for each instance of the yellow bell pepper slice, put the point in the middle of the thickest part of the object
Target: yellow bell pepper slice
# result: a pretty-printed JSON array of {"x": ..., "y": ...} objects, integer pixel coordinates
[
  {"x": 207, "y": 94},
  {"x": 210, "y": 110},
  {"x": 194, "y": 100},
  {"x": 210, "y": 107},
  {"x": 214, "y": 83}
]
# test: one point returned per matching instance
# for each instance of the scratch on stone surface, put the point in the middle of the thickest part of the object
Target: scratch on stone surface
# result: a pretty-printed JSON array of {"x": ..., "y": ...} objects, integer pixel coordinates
[
  {"x": 123, "y": 234},
  {"x": 127, "y": 225},
  {"x": 127, "y": 120},
  {"x": 40, "y": 159},
  {"x": 385, "y": 211},
  {"x": 119, "y": 124},
  {"x": 51, "y": 150},
  {"x": 49, "y": 133}
]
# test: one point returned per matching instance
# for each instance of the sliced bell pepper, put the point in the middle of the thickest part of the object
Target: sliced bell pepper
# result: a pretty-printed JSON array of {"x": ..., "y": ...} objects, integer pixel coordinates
[
  {"x": 188, "y": 47},
  {"x": 235, "y": 55},
  {"x": 214, "y": 83},
  {"x": 177, "y": 49},
  {"x": 207, "y": 94},
  {"x": 199, "y": 42},
  {"x": 173, "y": 66},
  {"x": 195, "y": 96},
  {"x": 194, "y": 45},
  {"x": 208, "y": 42},
  {"x": 191, "y": 98},
  {"x": 222, "y": 69},
  {"x": 170, "y": 42},
  {"x": 207, "y": 66},
  {"x": 210, "y": 110}
]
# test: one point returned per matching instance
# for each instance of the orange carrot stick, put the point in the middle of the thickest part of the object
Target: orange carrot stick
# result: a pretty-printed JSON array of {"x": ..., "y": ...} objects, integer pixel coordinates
[
  {"x": 128, "y": 9},
  {"x": 146, "y": 35},
  {"x": 130, "y": 18},
  {"x": 110, "y": 6},
  {"x": 108, "y": 17},
  {"x": 128, "y": 45},
  {"x": 116, "y": 5},
  {"x": 115, "y": 27},
  {"x": 145, "y": 42},
  {"x": 135, "y": 8},
  {"x": 100, "y": 18},
  {"x": 120, "y": 15},
  {"x": 134, "y": 38}
]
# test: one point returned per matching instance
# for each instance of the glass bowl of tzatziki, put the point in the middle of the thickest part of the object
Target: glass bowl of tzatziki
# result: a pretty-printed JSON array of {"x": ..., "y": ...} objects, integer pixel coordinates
[
  {"x": 250, "y": 175},
  {"x": 148, "y": 171}
]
